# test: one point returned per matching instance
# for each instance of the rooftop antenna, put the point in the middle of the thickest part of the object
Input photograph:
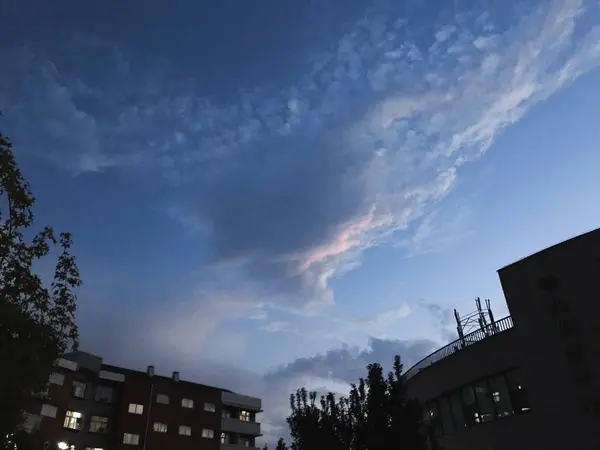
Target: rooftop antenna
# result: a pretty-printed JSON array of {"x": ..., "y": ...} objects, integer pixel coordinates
[{"x": 480, "y": 319}]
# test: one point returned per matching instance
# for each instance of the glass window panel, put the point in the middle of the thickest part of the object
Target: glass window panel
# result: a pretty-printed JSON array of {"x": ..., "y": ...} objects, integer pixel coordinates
[
  {"x": 518, "y": 392},
  {"x": 501, "y": 396},
  {"x": 484, "y": 401},
  {"x": 446, "y": 413},
  {"x": 436, "y": 419},
  {"x": 470, "y": 406},
  {"x": 457, "y": 410}
]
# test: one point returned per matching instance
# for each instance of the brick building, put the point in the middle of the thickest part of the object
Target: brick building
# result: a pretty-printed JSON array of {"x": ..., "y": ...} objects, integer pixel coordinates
[{"x": 94, "y": 406}]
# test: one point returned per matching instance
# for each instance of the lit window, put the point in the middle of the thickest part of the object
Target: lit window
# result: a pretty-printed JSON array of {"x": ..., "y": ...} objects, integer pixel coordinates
[
  {"x": 210, "y": 407},
  {"x": 57, "y": 378},
  {"x": 208, "y": 434},
  {"x": 73, "y": 420},
  {"x": 135, "y": 408},
  {"x": 185, "y": 431},
  {"x": 131, "y": 439},
  {"x": 78, "y": 389},
  {"x": 187, "y": 403},
  {"x": 159, "y": 427},
  {"x": 224, "y": 438},
  {"x": 98, "y": 424},
  {"x": 245, "y": 416},
  {"x": 48, "y": 411},
  {"x": 103, "y": 394},
  {"x": 162, "y": 398},
  {"x": 94, "y": 448}
]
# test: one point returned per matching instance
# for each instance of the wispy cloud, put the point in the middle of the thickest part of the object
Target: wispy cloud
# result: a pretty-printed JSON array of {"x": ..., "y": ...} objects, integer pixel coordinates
[{"x": 290, "y": 185}]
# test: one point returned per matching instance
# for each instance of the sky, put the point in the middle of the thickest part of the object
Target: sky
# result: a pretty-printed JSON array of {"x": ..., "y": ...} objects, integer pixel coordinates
[{"x": 269, "y": 195}]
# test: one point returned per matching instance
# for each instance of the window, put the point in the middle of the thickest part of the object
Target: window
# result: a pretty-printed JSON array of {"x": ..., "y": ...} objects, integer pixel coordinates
[
  {"x": 131, "y": 439},
  {"x": 436, "y": 420},
  {"x": 225, "y": 413},
  {"x": 73, "y": 420},
  {"x": 210, "y": 407},
  {"x": 485, "y": 401},
  {"x": 48, "y": 411},
  {"x": 187, "y": 403},
  {"x": 135, "y": 408},
  {"x": 185, "y": 431},
  {"x": 103, "y": 394},
  {"x": 98, "y": 424},
  {"x": 501, "y": 396},
  {"x": 446, "y": 414},
  {"x": 518, "y": 393},
  {"x": 159, "y": 427},
  {"x": 245, "y": 416},
  {"x": 162, "y": 398},
  {"x": 548, "y": 282},
  {"x": 457, "y": 410},
  {"x": 57, "y": 378},
  {"x": 244, "y": 442},
  {"x": 208, "y": 434},
  {"x": 94, "y": 448},
  {"x": 78, "y": 389},
  {"x": 224, "y": 438},
  {"x": 470, "y": 403},
  {"x": 574, "y": 353}
]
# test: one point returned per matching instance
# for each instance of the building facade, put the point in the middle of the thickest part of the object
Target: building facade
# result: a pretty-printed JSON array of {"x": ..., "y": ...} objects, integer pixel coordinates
[
  {"x": 94, "y": 406},
  {"x": 529, "y": 380}
]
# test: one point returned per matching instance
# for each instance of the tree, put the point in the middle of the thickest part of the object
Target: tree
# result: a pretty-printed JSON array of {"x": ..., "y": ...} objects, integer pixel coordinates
[
  {"x": 37, "y": 320},
  {"x": 376, "y": 415}
]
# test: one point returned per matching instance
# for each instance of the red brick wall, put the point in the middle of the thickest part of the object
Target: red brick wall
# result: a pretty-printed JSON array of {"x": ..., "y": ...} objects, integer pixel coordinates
[{"x": 137, "y": 388}]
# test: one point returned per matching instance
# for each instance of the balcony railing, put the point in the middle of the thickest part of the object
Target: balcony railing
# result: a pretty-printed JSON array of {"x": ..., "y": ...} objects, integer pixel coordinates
[{"x": 469, "y": 339}]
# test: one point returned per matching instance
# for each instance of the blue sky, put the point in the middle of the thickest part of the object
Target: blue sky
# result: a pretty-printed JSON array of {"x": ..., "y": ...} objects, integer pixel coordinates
[{"x": 270, "y": 194}]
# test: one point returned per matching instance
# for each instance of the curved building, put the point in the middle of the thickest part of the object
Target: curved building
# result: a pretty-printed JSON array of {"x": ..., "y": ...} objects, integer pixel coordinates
[{"x": 529, "y": 380}]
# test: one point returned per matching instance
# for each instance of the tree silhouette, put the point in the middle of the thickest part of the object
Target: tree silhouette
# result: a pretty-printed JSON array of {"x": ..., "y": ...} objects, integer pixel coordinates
[
  {"x": 37, "y": 321},
  {"x": 376, "y": 415}
]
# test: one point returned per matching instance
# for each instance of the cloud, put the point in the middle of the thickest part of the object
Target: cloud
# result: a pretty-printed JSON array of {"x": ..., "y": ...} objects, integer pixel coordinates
[{"x": 294, "y": 183}]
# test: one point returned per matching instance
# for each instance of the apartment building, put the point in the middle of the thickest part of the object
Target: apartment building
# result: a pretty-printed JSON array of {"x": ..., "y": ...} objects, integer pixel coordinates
[{"x": 94, "y": 406}]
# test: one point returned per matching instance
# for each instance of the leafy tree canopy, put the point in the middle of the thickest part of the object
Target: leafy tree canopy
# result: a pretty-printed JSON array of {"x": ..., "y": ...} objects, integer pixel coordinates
[{"x": 37, "y": 319}]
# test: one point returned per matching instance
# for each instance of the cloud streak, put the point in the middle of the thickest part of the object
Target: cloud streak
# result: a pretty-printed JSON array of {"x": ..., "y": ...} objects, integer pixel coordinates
[{"x": 295, "y": 183}]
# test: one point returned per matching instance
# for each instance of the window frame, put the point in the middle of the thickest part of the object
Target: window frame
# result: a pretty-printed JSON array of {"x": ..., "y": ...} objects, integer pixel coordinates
[
  {"x": 160, "y": 427},
  {"x": 187, "y": 403},
  {"x": 185, "y": 427},
  {"x": 137, "y": 438},
  {"x": 210, "y": 431},
  {"x": 105, "y": 424},
  {"x": 71, "y": 418},
  {"x": 163, "y": 396}
]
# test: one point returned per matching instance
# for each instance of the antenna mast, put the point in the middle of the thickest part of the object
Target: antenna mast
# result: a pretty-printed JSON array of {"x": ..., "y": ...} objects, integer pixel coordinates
[{"x": 480, "y": 319}]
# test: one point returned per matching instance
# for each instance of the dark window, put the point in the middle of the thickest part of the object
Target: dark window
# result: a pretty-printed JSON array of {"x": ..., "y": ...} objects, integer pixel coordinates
[
  {"x": 447, "y": 424},
  {"x": 436, "y": 420},
  {"x": 568, "y": 328},
  {"x": 582, "y": 376},
  {"x": 470, "y": 406},
  {"x": 501, "y": 396},
  {"x": 457, "y": 410},
  {"x": 574, "y": 353},
  {"x": 559, "y": 308},
  {"x": 98, "y": 424},
  {"x": 485, "y": 401},
  {"x": 103, "y": 394},
  {"x": 518, "y": 392},
  {"x": 548, "y": 282},
  {"x": 78, "y": 389}
]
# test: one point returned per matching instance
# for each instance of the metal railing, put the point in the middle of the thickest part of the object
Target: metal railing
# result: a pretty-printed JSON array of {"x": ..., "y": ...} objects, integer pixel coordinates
[{"x": 478, "y": 335}]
